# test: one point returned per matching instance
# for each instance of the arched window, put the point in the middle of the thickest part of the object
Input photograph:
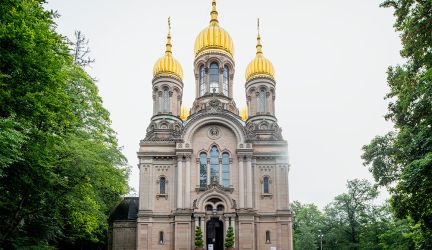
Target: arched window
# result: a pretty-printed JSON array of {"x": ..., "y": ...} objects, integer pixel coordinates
[
  {"x": 202, "y": 80},
  {"x": 225, "y": 170},
  {"x": 262, "y": 97},
  {"x": 161, "y": 237},
  {"x": 162, "y": 185},
  {"x": 165, "y": 100},
  {"x": 266, "y": 183},
  {"x": 214, "y": 164},
  {"x": 225, "y": 80},
  {"x": 267, "y": 236},
  {"x": 203, "y": 169},
  {"x": 220, "y": 208},
  {"x": 214, "y": 78}
]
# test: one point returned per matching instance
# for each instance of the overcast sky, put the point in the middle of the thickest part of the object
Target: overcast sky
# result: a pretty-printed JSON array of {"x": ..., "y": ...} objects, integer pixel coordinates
[{"x": 330, "y": 58}]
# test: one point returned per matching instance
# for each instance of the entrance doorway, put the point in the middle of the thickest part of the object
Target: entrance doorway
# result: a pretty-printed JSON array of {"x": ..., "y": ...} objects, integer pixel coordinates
[{"x": 214, "y": 234}]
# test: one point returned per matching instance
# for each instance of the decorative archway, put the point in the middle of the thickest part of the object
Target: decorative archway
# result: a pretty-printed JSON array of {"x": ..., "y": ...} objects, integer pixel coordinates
[
  {"x": 214, "y": 192},
  {"x": 212, "y": 118}
]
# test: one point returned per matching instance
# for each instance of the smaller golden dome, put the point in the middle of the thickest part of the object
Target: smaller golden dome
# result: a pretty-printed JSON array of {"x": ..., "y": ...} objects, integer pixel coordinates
[
  {"x": 184, "y": 113},
  {"x": 259, "y": 66},
  {"x": 214, "y": 37},
  {"x": 167, "y": 65},
  {"x": 244, "y": 113}
]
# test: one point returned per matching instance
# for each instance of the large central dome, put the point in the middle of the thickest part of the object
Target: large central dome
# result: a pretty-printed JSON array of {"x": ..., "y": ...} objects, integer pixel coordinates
[{"x": 214, "y": 38}]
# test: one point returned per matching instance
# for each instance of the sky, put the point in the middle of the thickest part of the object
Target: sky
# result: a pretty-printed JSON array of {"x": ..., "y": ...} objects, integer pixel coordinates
[{"x": 330, "y": 57}]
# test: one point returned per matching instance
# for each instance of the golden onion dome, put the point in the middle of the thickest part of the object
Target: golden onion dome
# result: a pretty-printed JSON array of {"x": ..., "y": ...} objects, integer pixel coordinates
[
  {"x": 214, "y": 37},
  {"x": 184, "y": 113},
  {"x": 244, "y": 113},
  {"x": 167, "y": 65},
  {"x": 259, "y": 66}
]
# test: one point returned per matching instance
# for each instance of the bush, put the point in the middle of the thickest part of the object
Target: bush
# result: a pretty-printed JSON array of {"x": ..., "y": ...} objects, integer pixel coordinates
[
  {"x": 198, "y": 237},
  {"x": 229, "y": 240}
]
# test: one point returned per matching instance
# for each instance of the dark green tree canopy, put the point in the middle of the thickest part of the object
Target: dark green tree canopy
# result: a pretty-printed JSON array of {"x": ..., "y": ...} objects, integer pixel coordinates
[
  {"x": 402, "y": 159},
  {"x": 61, "y": 170}
]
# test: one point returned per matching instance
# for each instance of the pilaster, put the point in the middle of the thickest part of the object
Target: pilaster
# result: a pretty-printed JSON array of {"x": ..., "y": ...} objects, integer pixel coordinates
[
  {"x": 179, "y": 181},
  {"x": 187, "y": 182}
]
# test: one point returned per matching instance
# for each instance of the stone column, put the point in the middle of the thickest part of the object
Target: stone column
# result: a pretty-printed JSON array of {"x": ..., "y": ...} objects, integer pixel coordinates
[
  {"x": 226, "y": 225},
  {"x": 187, "y": 182},
  {"x": 160, "y": 102},
  {"x": 220, "y": 171},
  {"x": 258, "y": 104},
  {"x": 179, "y": 102},
  {"x": 196, "y": 222},
  {"x": 276, "y": 187},
  {"x": 221, "y": 79},
  {"x": 241, "y": 182},
  {"x": 230, "y": 167},
  {"x": 287, "y": 184},
  {"x": 171, "y": 102},
  {"x": 249, "y": 181},
  {"x": 253, "y": 104},
  {"x": 207, "y": 80},
  {"x": 179, "y": 181},
  {"x": 202, "y": 224},
  {"x": 154, "y": 102},
  {"x": 203, "y": 229},
  {"x": 208, "y": 171},
  {"x": 268, "y": 103}
]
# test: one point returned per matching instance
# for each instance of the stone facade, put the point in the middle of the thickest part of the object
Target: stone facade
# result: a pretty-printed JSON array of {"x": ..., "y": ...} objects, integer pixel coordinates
[{"x": 212, "y": 169}]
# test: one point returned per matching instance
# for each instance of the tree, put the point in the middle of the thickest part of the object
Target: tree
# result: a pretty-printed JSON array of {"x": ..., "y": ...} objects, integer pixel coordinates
[
  {"x": 402, "y": 159},
  {"x": 12, "y": 138},
  {"x": 229, "y": 239},
  {"x": 308, "y": 221},
  {"x": 81, "y": 50},
  {"x": 198, "y": 237},
  {"x": 351, "y": 221},
  {"x": 61, "y": 170},
  {"x": 349, "y": 211}
]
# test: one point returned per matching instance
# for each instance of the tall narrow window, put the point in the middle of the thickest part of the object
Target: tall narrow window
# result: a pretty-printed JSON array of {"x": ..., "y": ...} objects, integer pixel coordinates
[
  {"x": 202, "y": 80},
  {"x": 214, "y": 164},
  {"x": 262, "y": 100},
  {"x": 162, "y": 184},
  {"x": 267, "y": 236},
  {"x": 214, "y": 78},
  {"x": 225, "y": 80},
  {"x": 225, "y": 170},
  {"x": 266, "y": 181},
  {"x": 203, "y": 169},
  {"x": 165, "y": 100},
  {"x": 161, "y": 237}
]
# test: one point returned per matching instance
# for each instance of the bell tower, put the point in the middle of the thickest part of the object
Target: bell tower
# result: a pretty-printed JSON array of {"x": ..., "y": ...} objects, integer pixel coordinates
[
  {"x": 260, "y": 96},
  {"x": 214, "y": 67},
  {"x": 167, "y": 94}
]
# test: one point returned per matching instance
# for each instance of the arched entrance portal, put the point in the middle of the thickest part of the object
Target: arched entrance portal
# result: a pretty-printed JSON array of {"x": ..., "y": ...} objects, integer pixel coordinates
[{"x": 214, "y": 234}]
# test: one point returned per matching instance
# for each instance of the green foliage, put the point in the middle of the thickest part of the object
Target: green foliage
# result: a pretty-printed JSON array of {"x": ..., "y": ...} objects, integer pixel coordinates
[
  {"x": 199, "y": 242},
  {"x": 229, "y": 239},
  {"x": 396, "y": 234},
  {"x": 308, "y": 221},
  {"x": 12, "y": 138},
  {"x": 61, "y": 171},
  {"x": 353, "y": 208},
  {"x": 351, "y": 221},
  {"x": 402, "y": 160}
]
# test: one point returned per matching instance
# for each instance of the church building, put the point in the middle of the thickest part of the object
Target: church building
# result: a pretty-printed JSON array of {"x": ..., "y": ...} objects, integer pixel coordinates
[{"x": 211, "y": 166}]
